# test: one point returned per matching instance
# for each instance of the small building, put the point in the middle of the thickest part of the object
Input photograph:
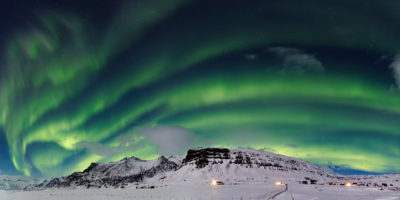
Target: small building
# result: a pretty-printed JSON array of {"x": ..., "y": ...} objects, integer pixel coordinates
[
  {"x": 278, "y": 183},
  {"x": 215, "y": 182},
  {"x": 333, "y": 183},
  {"x": 347, "y": 184}
]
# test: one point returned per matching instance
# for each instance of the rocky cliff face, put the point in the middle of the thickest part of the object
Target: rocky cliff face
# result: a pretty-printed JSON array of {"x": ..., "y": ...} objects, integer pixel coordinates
[{"x": 201, "y": 156}]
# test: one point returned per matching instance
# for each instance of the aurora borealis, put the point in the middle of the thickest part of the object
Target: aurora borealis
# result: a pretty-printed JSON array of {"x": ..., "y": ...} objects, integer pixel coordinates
[{"x": 316, "y": 80}]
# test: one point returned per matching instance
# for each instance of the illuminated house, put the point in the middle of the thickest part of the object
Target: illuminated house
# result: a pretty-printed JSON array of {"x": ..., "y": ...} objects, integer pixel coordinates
[{"x": 214, "y": 183}]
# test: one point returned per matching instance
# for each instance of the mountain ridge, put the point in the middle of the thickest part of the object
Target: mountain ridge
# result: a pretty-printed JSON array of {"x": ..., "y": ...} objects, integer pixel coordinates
[{"x": 202, "y": 165}]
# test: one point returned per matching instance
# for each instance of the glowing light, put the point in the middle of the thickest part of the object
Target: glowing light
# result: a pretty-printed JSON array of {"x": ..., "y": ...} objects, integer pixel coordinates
[
  {"x": 213, "y": 182},
  {"x": 278, "y": 183},
  {"x": 347, "y": 184}
]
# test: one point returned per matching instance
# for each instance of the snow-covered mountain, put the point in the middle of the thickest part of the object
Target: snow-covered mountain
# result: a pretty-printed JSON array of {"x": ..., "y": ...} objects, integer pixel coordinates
[
  {"x": 235, "y": 166},
  {"x": 231, "y": 165},
  {"x": 16, "y": 182},
  {"x": 203, "y": 165},
  {"x": 116, "y": 174}
]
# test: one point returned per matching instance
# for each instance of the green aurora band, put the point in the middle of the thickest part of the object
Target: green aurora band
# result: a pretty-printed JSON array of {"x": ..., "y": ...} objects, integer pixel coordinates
[{"x": 167, "y": 64}]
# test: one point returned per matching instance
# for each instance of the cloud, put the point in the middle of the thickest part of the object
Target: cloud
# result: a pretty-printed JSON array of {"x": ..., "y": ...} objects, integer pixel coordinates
[
  {"x": 169, "y": 139},
  {"x": 126, "y": 143},
  {"x": 96, "y": 148},
  {"x": 295, "y": 61},
  {"x": 395, "y": 66}
]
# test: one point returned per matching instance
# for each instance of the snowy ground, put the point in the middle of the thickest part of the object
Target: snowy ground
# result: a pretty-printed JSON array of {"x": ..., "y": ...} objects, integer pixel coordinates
[
  {"x": 314, "y": 192},
  {"x": 243, "y": 191}
]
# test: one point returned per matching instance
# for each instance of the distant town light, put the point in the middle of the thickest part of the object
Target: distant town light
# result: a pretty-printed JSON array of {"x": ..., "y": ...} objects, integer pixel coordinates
[
  {"x": 278, "y": 183},
  {"x": 216, "y": 182},
  {"x": 347, "y": 184}
]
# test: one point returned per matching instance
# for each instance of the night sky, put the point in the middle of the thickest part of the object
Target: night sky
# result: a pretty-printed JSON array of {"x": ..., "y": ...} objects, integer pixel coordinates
[{"x": 84, "y": 82}]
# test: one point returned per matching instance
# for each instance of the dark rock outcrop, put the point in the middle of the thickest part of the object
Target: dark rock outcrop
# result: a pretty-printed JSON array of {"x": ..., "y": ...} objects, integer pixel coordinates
[{"x": 202, "y": 156}]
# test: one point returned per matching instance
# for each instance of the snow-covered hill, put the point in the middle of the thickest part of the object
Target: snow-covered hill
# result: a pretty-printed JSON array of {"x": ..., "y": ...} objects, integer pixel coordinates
[
  {"x": 115, "y": 174},
  {"x": 16, "y": 182},
  {"x": 236, "y": 166},
  {"x": 204, "y": 165}
]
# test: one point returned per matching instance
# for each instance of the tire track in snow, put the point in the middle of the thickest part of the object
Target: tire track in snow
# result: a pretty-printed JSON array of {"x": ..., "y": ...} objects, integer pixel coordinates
[{"x": 280, "y": 192}]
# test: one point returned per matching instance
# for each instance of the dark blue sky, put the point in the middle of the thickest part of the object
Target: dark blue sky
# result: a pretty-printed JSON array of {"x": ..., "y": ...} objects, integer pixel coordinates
[{"x": 6, "y": 166}]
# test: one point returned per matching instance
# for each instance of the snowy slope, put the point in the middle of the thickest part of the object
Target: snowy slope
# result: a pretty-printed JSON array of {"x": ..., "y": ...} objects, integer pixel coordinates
[
  {"x": 115, "y": 174},
  {"x": 126, "y": 167},
  {"x": 243, "y": 166},
  {"x": 204, "y": 165},
  {"x": 16, "y": 182}
]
